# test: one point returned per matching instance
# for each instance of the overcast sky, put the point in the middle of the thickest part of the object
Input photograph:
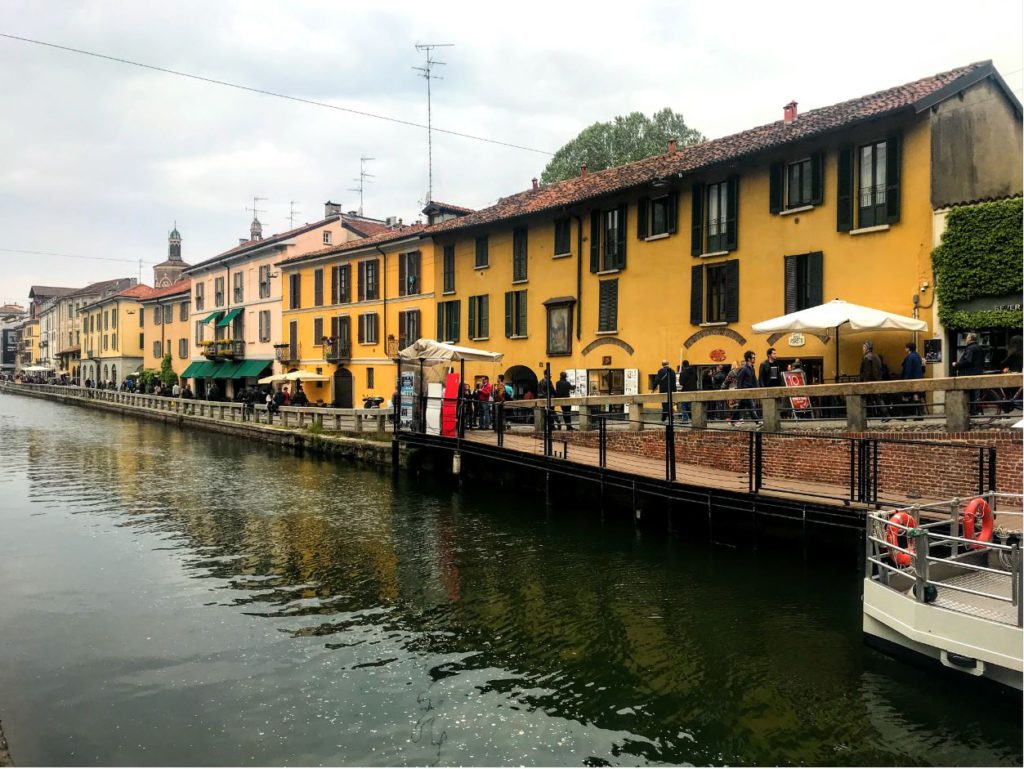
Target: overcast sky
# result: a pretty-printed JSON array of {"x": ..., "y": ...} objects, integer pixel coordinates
[{"x": 99, "y": 159}]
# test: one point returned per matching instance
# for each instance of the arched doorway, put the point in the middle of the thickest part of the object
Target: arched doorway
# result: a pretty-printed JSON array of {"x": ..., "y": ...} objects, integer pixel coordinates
[
  {"x": 106, "y": 374},
  {"x": 113, "y": 374},
  {"x": 523, "y": 380},
  {"x": 342, "y": 388}
]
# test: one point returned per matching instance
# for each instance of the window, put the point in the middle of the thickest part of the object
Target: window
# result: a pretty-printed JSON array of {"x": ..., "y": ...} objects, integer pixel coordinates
[
  {"x": 318, "y": 287},
  {"x": 368, "y": 328},
  {"x": 218, "y": 292},
  {"x": 183, "y": 315},
  {"x": 448, "y": 270},
  {"x": 482, "y": 258},
  {"x": 519, "y": 254},
  {"x": 183, "y": 348},
  {"x": 293, "y": 340},
  {"x": 238, "y": 283},
  {"x": 563, "y": 237},
  {"x": 795, "y": 184},
  {"x": 341, "y": 282},
  {"x": 869, "y": 181},
  {"x": 448, "y": 320},
  {"x": 168, "y": 314},
  {"x": 200, "y": 296},
  {"x": 294, "y": 290},
  {"x": 656, "y": 216},
  {"x": 714, "y": 293},
  {"x": 368, "y": 279},
  {"x": 341, "y": 337},
  {"x": 158, "y": 349},
  {"x": 608, "y": 240},
  {"x": 515, "y": 314},
  {"x": 158, "y": 316},
  {"x": 142, "y": 317},
  {"x": 479, "y": 323},
  {"x": 113, "y": 341},
  {"x": 264, "y": 280},
  {"x": 113, "y": 318},
  {"x": 106, "y": 320},
  {"x": 408, "y": 328},
  {"x": 199, "y": 331},
  {"x": 264, "y": 325},
  {"x": 608, "y": 305},
  {"x": 327, "y": 238},
  {"x": 409, "y": 273},
  {"x": 318, "y": 331},
  {"x": 714, "y": 214},
  {"x": 369, "y": 378},
  {"x": 803, "y": 279}
]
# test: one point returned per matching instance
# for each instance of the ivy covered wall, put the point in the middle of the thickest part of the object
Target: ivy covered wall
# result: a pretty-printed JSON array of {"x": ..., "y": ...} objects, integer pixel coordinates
[{"x": 980, "y": 255}]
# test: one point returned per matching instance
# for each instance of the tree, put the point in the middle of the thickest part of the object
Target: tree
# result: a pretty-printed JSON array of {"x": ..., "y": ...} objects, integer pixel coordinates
[
  {"x": 622, "y": 140},
  {"x": 167, "y": 375}
]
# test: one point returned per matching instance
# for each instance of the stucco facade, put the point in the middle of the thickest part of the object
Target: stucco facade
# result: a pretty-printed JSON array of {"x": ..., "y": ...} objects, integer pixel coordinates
[
  {"x": 112, "y": 337},
  {"x": 165, "y": 317}
]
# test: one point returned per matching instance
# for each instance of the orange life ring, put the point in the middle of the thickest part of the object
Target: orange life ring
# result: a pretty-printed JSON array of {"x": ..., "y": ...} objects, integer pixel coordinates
[
  {"x": 974, "y": 507},
  {"x": 893, "y": 534}
]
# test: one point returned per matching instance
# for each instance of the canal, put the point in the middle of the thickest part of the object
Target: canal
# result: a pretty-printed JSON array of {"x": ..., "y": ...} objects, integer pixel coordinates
[{"x": 184, "y": 598}]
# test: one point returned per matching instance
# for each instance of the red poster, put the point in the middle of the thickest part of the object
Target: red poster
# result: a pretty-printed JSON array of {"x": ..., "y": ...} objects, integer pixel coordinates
[
  {"x": 796, "y": 379},
  {"x": 451, "y": 400}
]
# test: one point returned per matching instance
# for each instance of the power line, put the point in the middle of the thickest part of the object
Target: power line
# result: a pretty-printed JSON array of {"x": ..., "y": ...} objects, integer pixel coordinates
[
  {"x": 265, "y": 92},
  {"x": 72, "y": 256}
]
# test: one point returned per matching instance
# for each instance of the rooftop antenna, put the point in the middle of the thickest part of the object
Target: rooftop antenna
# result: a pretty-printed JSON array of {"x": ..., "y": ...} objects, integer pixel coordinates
[
  {"x": 363, "y": 176},
  {"x": 427, "y": 74},
  {"x": 292, "y": 210},
  {"x": 256, "y": 211}
]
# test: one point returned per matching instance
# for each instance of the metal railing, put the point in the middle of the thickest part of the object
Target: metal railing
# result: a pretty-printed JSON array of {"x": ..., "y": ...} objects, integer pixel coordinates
[
  {"x": 339, "y": 349},
  {"x": 936, "y": 551},
  {"x": 288, "y": 353}
]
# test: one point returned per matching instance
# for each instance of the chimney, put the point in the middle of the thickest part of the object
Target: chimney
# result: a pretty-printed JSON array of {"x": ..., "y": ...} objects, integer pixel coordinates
[
  {"x": 583, "y": 169},
  {"x": 331, "y": 209},
  {"x": 535, "y": 185},
  {"x": 789, "y": 112},
  {"x": 672, "y": 146}
]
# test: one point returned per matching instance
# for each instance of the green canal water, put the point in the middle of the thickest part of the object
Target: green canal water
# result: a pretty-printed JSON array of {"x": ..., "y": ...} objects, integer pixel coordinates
[{"x": 182, "y": 598}]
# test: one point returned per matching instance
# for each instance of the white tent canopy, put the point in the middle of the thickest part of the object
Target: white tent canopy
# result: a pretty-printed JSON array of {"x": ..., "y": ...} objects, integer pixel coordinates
[
  {"x": 306, "y": 376},
  {"x": 272, "y": 379},
  {"x": 37, "y": 369},
  {"x": 432, "y": 350},
  {"x": 831, "y": 315}
]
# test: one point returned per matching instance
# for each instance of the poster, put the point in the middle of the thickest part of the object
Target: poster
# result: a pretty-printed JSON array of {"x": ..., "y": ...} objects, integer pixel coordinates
[
  {"x": 407, "y": 394},
  {"x": 933, "y": 351},
  {"x": 578, "y": 380},
  {"x": 796, "y": 379},
  {"x": 631, "y": 381}
]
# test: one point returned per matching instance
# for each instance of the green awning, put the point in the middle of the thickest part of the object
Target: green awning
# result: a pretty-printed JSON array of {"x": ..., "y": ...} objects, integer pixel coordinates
[
  {"x": 223, "y": 370},
  {"x": 226, "y": 320},
  {"x": 198, "y": 369},
  {"x": 247, "y": 368},
  {"x": 210, "y": 317}
]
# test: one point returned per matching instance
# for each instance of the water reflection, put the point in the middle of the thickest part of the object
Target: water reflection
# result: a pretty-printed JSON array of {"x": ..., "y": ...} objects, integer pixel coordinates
[{"x": 301, "y": 611}]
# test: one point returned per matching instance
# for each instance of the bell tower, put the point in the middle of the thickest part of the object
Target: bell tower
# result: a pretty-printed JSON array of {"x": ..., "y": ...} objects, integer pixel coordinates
[{"x": 168, "y": 272}]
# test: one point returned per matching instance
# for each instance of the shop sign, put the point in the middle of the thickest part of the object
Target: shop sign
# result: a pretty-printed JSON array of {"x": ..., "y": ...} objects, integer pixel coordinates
[
  {"x": 981, "y": 303},
  {"x": 717, "y": 355},
  {"x": 796, "y": 339}
]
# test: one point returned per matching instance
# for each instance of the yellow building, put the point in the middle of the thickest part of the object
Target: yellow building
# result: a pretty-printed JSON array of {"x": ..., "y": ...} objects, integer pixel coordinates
[
  {"x": 349, "y": 309},
  {"x": 28, "y": 344},
  {"x": 164, "y": 317},
  {"x": 112, "y": 336},
  {"x": 676, "y": 256}
]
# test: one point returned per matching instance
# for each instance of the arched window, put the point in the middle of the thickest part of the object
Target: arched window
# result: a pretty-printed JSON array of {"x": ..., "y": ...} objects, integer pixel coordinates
[
  {"x": 106, "y": 373},
  {"x": 113, "y": 374}
]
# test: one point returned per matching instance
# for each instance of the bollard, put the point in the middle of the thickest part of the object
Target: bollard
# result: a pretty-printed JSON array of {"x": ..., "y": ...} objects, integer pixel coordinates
[
  {"x": 771, "y": 415},
  {"x": 635, "y": 414},
  {"x": 856, "y": 414}
]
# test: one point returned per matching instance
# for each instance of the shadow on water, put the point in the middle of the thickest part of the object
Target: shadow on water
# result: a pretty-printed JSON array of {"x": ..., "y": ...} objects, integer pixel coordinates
[{"x": 314, "y": 612}]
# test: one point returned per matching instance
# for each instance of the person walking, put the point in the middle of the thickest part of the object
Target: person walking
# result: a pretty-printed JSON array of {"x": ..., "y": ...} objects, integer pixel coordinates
[
  {"x": 770, "y": 373},
  {"x": 746, "y": 379},
  {"x": 300, "y": 399},
  {"x": 665, "y": 383},
  {"x": 484, "y": 403},
  {"x": 912, "y": 368},
  {"x": 971, "y": 363},
  {"x": 563, "y": 389},
  {"x": 688, "y": 384},
  {"x": 870, "y": 371}
]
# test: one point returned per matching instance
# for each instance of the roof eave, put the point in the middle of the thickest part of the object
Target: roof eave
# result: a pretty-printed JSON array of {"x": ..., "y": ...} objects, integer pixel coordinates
[{"x": 984, "y": 71}]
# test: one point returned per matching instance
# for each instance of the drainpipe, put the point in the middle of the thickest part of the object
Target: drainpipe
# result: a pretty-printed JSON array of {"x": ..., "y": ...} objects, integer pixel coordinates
[
  {"x": 579, "y": 275},
  {"x": 384, "y": 300}
]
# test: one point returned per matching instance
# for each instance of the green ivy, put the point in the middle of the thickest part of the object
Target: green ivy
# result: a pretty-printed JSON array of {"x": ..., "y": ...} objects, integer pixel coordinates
[{"x": 980, "y": 255}]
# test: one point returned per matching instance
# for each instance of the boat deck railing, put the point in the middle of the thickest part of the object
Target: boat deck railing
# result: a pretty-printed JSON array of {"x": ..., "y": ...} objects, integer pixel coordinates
[{"x": 966, "y": 575}]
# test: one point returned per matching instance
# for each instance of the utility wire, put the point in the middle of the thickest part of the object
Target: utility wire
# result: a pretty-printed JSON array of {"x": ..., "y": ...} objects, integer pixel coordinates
[
  {"x": 271, "y": 93},
  {"x": 73, "y": 256}
]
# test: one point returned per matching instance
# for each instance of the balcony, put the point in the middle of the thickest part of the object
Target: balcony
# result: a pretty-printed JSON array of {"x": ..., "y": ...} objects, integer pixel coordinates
[
  {"x": 338, "y": 350},
  {"x": 287, "y": 353},
  {"x": 223, "y": 349}
]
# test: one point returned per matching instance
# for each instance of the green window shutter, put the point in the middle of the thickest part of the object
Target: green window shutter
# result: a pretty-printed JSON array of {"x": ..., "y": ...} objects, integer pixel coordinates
[
  {"x": 483, "y": 329},
  {"x": 403, "y": 278},
  {"x": 457, "y": 307},
  {"x": 440, "y": 320},
  {"x": 817, "y": 188},
  {"x": 595, "y": 241},
  {"x": 318, "y": 287},
  {"x": 697, "y": 220},
  {"x": 732, "y": 217},
  {"x": 697, "y": 294},
  {"x": 844, "y": 190},
  {"x": 471, "y": 324},
  {"x": 641, "y": 217},
  {"x": 673, "y": 210},
  {"x": 361, "y": 334},
  {"x": 621, "y": 238},
  {"x": 790, "y": 292},
  {"x": 508, "y": 313},
  {"x": 892, "y": 179},
  {"x": 345, "y": 330},
  {"x": 732, "y": 291},
  {"x": 815, "y": 278},
  {"x": 608, "y": 306},
  {"x": 775, "y": 172},
  {"x": 521, "y": 313}
]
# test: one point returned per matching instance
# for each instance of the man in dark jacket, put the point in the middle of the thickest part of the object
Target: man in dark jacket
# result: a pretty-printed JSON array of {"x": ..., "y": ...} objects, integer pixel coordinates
[
  {"x": 746, "y": 379},
  {"x": 564, "y": 390},
  {"x": 665, "y": 382},
  {"x": 688, "y": 384},
  {"x": 770, "y": 374},
  {"x": 912, "y": 368},
  {"x": 971, "y": 363}
]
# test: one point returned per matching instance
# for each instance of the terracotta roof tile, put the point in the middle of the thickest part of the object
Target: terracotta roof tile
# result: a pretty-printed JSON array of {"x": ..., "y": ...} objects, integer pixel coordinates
[
  {"x": 180, "y": 287},
  {"x": 395, "y": 233},
  {"x": 689, "y": 159},
  {"x": 447, "y": 207},
  {"x": 140, "y": 291}
]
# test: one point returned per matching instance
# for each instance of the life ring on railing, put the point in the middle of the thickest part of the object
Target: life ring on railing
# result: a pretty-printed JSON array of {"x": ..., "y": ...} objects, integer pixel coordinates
[
  {"x": 893, "y": 532},
  {"x": 975, "y": 507}
]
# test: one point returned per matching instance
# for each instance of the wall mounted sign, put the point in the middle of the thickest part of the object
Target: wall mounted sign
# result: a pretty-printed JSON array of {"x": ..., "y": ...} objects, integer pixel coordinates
[
  {"x": 796, "y": 339},
  {"x": 717, "y": 355},
  {"x": 933, "y": 351},
  {"x": 606, "y": 360}
]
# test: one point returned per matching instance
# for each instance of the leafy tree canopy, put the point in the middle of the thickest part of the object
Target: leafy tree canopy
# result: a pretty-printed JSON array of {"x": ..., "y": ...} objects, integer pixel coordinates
[{"x": 622, "y": 140}]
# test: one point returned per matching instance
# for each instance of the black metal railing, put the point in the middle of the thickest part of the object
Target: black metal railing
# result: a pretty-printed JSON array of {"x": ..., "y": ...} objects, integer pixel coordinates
[{"x": 339, "y": 349}]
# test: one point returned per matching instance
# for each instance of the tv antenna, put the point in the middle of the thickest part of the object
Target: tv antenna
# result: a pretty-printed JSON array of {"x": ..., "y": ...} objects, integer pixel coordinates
[
  {"x": 426, "y": 72},
  {"x": 292, "y": 210},
  {"x": 362, "y": 179}
]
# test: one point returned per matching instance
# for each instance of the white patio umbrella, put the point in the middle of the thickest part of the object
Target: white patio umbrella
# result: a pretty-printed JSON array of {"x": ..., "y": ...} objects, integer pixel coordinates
[
  {"x": 272, "y": 379},
  {"x": 305, "y": 376},
  {"x": 431, "y": 349},
  {"x": 831, "y": 316}
]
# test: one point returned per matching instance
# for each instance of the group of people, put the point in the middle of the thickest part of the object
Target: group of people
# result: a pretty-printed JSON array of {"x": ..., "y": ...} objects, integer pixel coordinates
[{"x": 480, "y": 401}]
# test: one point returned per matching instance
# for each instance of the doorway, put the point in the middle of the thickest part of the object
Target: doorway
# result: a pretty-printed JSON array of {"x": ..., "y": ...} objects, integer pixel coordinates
[{"x": 342, "y": 388}]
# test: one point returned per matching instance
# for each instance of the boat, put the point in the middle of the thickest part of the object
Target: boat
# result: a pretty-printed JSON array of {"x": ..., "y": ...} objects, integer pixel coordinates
[{"x": 943, "y": 586}]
